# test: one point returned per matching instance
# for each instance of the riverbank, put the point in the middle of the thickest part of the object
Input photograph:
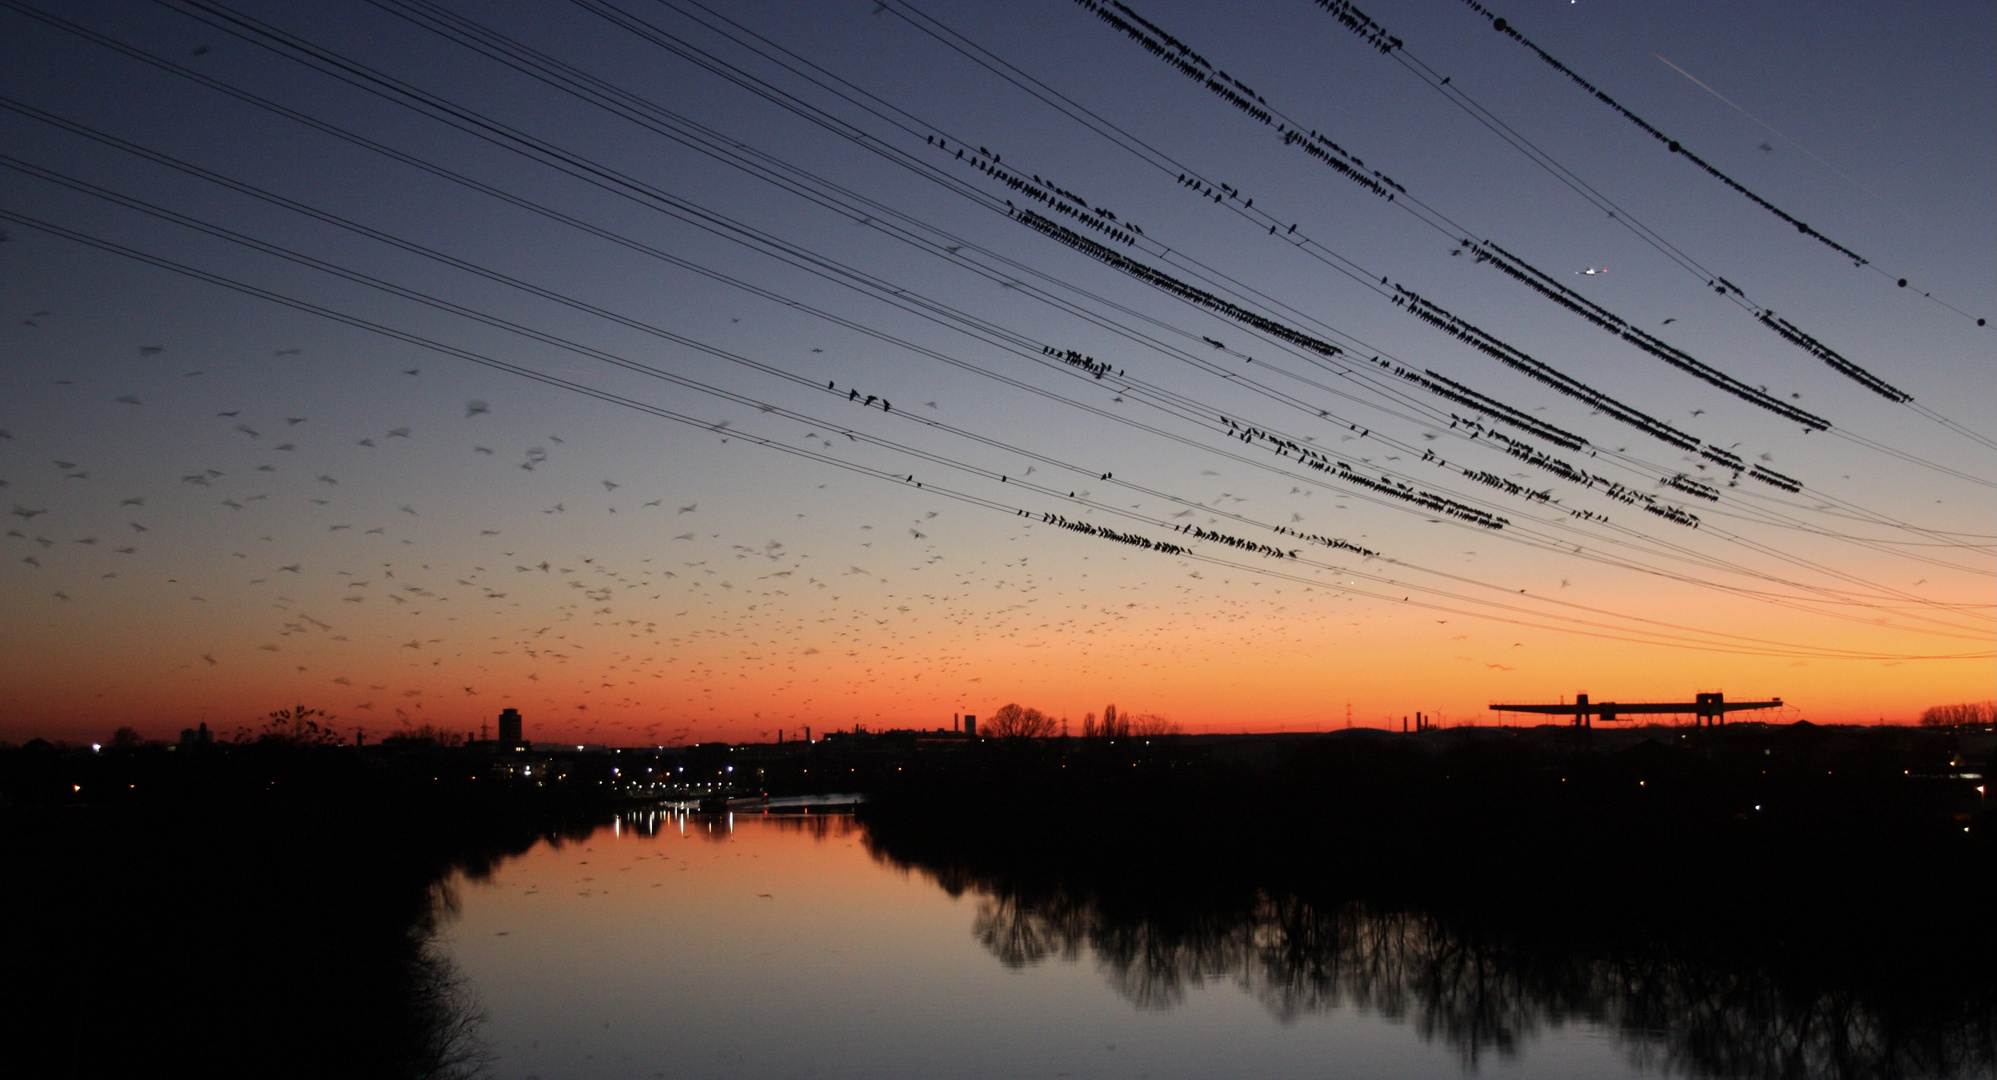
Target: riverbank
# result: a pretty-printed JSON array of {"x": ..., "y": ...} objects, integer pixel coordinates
[
  {"x": 262, "y": 912},
  {"x": 1749, "y": 902},
  {"x": 1771, "y": 827}
]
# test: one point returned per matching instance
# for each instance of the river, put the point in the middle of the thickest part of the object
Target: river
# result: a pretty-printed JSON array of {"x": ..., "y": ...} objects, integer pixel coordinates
[{"x": 788, "y": 946}]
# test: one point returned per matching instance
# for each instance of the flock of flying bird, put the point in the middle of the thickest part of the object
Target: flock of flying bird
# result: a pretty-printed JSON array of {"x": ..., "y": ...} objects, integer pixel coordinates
[
  {"x": 536, "y": 606},
  {"x": 591, "y": 635}
]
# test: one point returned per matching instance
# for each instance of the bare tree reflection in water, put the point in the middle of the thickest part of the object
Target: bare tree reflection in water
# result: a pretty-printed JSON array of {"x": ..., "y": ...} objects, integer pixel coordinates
[
  {"x": 443, "y": 1003},
  {"x": 1485, "y": 992},
  {"x": 450, "y": 1013},
  {"x": 828, "y": 826},
  {"x": 1021, "y": 938}
]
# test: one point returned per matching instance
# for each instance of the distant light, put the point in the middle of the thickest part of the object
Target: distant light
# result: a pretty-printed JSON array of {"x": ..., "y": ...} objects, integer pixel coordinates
[
  {"x": 76, "y": 787},
  {"x": 1757, "y": 806},
  {"x": 95, "y": 747}
]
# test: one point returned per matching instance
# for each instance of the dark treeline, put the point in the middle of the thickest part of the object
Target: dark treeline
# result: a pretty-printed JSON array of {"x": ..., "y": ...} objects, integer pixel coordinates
[
  {"x": 252, "y": 910},
  {"x": 1489, "y": 885}
]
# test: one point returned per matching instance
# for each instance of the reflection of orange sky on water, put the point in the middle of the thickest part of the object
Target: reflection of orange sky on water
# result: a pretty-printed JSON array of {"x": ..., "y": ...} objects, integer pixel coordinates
[
  {"x": 714, "y": 900},
  {"x": 763, "y": 952}
]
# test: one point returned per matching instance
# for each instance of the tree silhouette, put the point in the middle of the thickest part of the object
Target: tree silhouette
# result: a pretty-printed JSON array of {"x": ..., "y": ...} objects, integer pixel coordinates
[
  {"x": 1966, "y": 714},
  {"x": 299, "y": 726},
  {"x": 1015, "y": 722},
  {"x": 1116, "y": 725}
]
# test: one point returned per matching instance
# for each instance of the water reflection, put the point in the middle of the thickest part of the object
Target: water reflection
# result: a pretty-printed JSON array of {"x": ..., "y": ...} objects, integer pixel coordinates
[
  {"x": 1486, "y": 989},
  {"x": 820, "y": 822}
]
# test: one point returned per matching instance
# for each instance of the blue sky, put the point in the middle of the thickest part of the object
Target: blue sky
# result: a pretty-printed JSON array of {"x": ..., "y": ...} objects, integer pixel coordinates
[{"x": 349, "y": 483}]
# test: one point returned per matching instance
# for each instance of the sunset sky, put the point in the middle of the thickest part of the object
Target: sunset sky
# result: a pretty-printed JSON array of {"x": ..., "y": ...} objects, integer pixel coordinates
[{"x": 414, "y": 359}]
